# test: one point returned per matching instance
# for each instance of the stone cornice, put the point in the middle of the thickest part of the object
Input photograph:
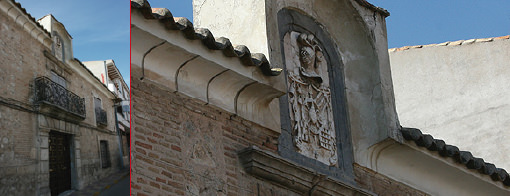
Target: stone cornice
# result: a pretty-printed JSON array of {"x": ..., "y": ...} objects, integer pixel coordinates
[
  {"x": 22, "y": 18},
  {"x": 187, "y": 66},
  {"x": 306, "y": 181}
]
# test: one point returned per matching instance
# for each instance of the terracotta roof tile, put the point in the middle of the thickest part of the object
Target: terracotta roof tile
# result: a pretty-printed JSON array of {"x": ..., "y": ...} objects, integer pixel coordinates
[
  {"x": 453, "y": 43},
  {"x": 186, "y": 27},
  {"x": 502, "y": 37},
  {"x": 374, "y": 8},
  {"x": 31, "y": 17},
  {"x": 463, "y": 157}
]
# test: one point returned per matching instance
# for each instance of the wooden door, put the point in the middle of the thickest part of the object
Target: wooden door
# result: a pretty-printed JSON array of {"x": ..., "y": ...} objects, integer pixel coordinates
[{"x": 60, "y": 162}]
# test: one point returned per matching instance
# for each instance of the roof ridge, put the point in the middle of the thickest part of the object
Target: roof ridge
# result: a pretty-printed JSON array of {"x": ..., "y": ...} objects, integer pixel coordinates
[
  {"x": 452, "y": 43},
  {"x": 190, "y": 32}
]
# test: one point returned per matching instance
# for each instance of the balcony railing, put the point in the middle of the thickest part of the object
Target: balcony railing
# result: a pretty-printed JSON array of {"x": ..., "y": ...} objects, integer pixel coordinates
[
  {"x": 51, "y": 93},
  {"x": 101, "y": 118}
]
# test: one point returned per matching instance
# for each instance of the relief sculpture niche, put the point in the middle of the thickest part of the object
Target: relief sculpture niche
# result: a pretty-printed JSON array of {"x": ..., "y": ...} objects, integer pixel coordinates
[{"x": 310, "y": 105}]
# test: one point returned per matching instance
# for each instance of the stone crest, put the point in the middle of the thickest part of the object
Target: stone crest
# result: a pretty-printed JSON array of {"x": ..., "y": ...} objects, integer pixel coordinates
[
  {"x": 58, "y": 45},
  {"x": 310, "y": 106}
]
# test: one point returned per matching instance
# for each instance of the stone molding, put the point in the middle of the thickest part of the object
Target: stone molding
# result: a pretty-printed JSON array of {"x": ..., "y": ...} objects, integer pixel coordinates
[
  {"x": 48, "y": 123},
  {"x": 187, "y": 66},
  {"x": 57, "y": 66},
  {"x": 303, "y": 180},
  {"x": 22, "y": 18},
  {"x": 428, "y": 171}
]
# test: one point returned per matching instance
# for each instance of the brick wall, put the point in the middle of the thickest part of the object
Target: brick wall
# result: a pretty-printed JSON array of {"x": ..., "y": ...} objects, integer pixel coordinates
[
  {"x": 18, "y": 157},
  {"x": 183, "y": 146},
  {"x": 22, "y": 59},
  {"x": 382, "y": 185}
]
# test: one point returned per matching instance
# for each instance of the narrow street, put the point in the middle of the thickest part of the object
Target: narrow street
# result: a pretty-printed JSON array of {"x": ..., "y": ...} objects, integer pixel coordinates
[
  {"x": 115, "y": 184},
  {"x": 119, "y": 189}
]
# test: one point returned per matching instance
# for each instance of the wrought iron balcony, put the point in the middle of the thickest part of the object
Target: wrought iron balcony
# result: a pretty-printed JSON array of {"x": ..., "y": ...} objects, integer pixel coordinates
[
  {"x": 50, "y": 93},
  {"x": 101, "y": 118}
]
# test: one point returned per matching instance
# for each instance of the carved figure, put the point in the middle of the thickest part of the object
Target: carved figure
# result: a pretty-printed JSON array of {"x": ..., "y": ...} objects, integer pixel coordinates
[
  {"x": 58, "y": 48},
  {"x": 310, "y": 100}
]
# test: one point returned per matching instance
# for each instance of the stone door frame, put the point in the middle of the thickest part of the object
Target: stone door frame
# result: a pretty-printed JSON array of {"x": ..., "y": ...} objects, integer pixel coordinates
[{"x": 45, "y": 125}]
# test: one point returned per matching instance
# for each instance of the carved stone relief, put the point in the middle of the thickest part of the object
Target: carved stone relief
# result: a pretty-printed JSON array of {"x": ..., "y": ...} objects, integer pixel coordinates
[
  {"x": 311, "y": 112},
  {"x": 58, "y": 47}
]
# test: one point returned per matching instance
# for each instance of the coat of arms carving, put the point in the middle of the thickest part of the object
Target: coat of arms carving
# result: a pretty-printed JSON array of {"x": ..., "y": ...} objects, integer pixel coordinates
[{"x": 310, "y": 98}]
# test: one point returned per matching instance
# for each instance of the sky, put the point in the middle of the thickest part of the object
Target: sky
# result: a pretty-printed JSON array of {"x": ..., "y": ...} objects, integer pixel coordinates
[
  {"x": 99, "y": 28},
  {"x": 419, "y": 22}
]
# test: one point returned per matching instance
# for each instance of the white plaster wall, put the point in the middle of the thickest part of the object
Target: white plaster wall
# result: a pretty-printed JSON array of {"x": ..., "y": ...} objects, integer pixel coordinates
[
  {"x": 458, "y": 93},
  {"x": 427, "y": 171},
  {"x": 97, "y": 68},
  {"x": 52, "y": 25},
  {"x": 243, "y": 22}
]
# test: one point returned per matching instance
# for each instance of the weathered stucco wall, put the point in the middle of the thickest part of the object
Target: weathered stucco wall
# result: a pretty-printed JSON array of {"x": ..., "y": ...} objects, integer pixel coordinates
[{"x": 458, "y": 93}]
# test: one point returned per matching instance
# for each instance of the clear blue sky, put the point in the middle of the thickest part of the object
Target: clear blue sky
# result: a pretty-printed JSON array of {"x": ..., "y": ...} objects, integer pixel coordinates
[
  {"x": 419, "y": 22},
  {"x": 100, "y": 28}
]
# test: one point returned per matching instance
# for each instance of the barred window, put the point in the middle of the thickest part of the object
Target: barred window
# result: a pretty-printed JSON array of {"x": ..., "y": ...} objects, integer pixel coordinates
[{"x": 105, "y": 154}]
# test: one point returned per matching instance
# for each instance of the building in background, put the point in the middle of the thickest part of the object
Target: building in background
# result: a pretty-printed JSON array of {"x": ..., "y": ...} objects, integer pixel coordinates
[
  {"x": 313, "y": 113},
  {"x": 458, "y": 91},
  {"x": 57, "y": 124},
  {"x": 106, "y": 71}
]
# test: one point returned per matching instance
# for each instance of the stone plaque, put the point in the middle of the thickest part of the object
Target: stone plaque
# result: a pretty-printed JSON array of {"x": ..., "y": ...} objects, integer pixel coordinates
[
  {"x": 310, "y": 106},
  {"x": 57, "y": 43}
]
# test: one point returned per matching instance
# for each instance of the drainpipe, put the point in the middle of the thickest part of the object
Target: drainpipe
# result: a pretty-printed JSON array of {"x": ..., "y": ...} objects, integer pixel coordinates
[{"x": 119, "y": 135}]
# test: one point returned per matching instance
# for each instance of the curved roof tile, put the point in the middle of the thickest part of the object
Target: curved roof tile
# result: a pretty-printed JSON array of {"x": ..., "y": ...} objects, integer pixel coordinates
[
  {"x": 31, "y": 17},
  {"x": 452, "y": 43},
  {"x": 462, "y": 157},
  {"x": 186, "y": 27},
  {"x": 374, "y": 8}
]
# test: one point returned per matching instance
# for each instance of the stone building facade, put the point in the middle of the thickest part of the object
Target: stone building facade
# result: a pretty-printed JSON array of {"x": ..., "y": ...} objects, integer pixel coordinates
[
  {"x": 109, "y": 74},
  {"x": 312, "y": 114},
  {"x": 56, "y": 119}
]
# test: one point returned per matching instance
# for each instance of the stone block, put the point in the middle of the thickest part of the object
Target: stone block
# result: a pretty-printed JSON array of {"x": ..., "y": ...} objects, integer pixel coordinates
[
  {"x": 78, "y": 163},
  {"x": 76, "y": 129},
  {"x": 68, "y": 127},
  {"x": 44, "y": 142},
  {"x": 62, "y": 125},
  {"x": 42, "y": 121},
  {"x": 51, "y": 123},
  {"x": 44, "y": 154},
  {"x": 45, "y": 167}
]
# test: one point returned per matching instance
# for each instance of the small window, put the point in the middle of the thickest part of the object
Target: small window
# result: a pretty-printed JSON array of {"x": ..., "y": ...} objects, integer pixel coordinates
[
  {"x": 97, "y": 103},
  {"x": 105, "y": 154},
  {"x": 58, "y": 79}
]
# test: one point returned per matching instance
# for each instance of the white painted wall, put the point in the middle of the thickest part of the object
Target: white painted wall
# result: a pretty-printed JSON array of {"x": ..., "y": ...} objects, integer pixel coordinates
[
  {"x": 99, "y": 69},
  {"x": 460, "y": 93}
]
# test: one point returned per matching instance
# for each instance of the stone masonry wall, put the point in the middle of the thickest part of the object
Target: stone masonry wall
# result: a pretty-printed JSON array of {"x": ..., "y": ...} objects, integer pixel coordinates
[
  {"x": 91, "y": 170},
  {"x": 23, "y": 145},
  {"x": 18, "y": 152},
  {"x": 181, "y": 146},
  {"x": 18, "y": 157}
]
